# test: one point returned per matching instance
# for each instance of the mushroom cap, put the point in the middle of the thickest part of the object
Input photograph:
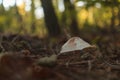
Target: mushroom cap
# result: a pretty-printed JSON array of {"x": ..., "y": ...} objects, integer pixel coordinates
[{"x": 73, "y": 44}]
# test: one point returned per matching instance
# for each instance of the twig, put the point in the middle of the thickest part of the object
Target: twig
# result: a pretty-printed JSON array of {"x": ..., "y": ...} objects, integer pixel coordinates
[
  {"x": 15, "y": 38},
  {"x": 67, "y": 34},
  {"x": 89, "y": 65},
  {"x": 75, "y": 63}
]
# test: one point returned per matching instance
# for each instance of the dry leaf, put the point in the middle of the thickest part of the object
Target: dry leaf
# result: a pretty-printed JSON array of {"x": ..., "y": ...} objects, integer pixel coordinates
[{"x": 74, "y": 43}]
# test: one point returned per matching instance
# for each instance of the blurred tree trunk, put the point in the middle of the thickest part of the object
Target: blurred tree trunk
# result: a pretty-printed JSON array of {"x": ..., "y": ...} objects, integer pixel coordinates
[
  {"x": 51, "y": 18},
  {"x": 19, "y": 19},
  {"x": 69, "y": 17},
  {"x": 33, "y": 23},
  {"x": 2, "y": 13},
  {"x": 2, "y": 7},
  {"x": 119, "y": 15},
  {"x": 112, "y": 26}
]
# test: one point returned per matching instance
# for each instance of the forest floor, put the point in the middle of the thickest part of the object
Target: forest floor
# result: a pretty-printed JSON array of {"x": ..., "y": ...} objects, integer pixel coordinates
[{"x": 20, "y": 55}]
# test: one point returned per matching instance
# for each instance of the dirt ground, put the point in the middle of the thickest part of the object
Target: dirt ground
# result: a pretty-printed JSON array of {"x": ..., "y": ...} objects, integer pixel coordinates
[{"x": 20, "y": 54}]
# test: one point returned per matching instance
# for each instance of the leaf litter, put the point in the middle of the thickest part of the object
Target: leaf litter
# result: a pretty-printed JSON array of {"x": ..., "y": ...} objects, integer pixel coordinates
[{"x": 31, "y": 58}]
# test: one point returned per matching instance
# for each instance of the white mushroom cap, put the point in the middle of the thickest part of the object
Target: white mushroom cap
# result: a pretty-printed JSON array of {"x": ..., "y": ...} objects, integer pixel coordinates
[{"x": 74, "y": 43}]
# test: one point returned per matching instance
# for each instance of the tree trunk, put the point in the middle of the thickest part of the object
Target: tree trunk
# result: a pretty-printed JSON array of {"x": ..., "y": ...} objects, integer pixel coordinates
[
  {"x": 19, "y": 20},
  {"x": 119, "y": 15},
  {"x": 2, "y": 7},
  {"x": 70, "y": 17},
  {"x": 33, "y": 17},
  {"x": 51, "y": 18},
  {"x": 112, "y": 26}
]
